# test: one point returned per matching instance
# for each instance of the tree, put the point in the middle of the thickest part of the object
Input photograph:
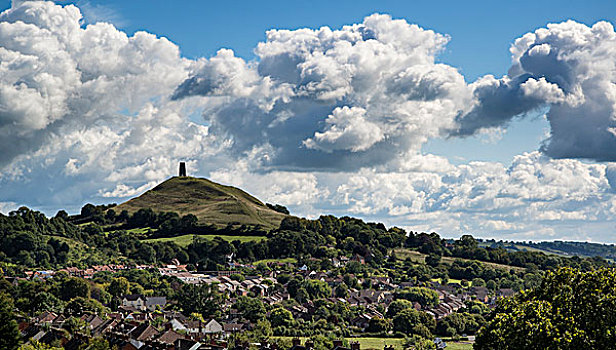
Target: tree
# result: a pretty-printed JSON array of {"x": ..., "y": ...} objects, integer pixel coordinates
[
  {"x": 262, "y": 331},
  {"x": 426, "y": 297},
  {"x": 417, "y": 342},
  {"x": 433, "y": 260},
  {"x": 378, "y": 325},
  {"x": 317, "y": 289},
  {"x": 341, "y": 291},
  {"x": 36, "y": 345},
  {"x": 280, "y": 317},
  {"x": 571, "y": 309},
  {"x": 459, "y": 323},
  {"x": 9, "y": 333},
  {"x": 251, "y": 309},
  {"x": 62, "y": 214},
  {"x": 202, "y": 298},
  {"x": 396, "y": 306},
  {"x": 80, "y": 306},
  {"x": 74, "y": 287},
  {"x": 118, "y": 287},
  {"x": 407, "y": 319},
  {"x": 478, "y": 282},
  {"x": 302, "y": 295},
  {"x": 98, "y": 343},
  {"x": 75, "y": 325}
]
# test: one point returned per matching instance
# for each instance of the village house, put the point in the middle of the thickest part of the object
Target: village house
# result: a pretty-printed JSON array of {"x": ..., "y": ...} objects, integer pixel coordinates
[{"x": 139, "y": 302}]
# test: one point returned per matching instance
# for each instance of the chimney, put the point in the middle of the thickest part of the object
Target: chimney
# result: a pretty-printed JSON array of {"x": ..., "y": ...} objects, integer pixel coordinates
[
  {"x": 182, "y": 169},
  {"x": 355, "y": 345}
]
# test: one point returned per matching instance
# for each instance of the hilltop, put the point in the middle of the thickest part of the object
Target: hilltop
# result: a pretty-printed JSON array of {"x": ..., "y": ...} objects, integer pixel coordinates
[{"x": 210, "y": 202}]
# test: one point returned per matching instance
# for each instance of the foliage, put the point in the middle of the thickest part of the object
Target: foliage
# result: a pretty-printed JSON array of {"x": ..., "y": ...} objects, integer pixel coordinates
[
  {"x": 416, "y": 342},
  {"x": 408, "y": 320},
  {"x": 396, "y": 306},
  {"x": 36, "y": 345},
  {"x": 200, "y": 298},
  {"x": 379, "y": 325},
  {"x": 426, "y": 297},
  {"x": 118, "y": 287},
  {"x": 80, "y": 306},
  {"x": 251, "y": 309},
  {"x": 9, "y": 333},
  {"x": 571, "y": 309},
  {"x": 280, "y": 317},
  {"x": 458, "y": 324}
]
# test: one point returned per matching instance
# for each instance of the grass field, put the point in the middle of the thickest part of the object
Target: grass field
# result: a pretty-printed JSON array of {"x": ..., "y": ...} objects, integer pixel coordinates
[
  {"x": 140, "y": 230},
  {"x": 458, "y": 346},
  {"x": 185, "y": 240},
  {"x": 451, "y": 280},
  {"x": 403, "y": 253},
  {"x": 285, "y": 260},
  {"x": 369, "y": 343},
  {"x": 380, "y": 343}
]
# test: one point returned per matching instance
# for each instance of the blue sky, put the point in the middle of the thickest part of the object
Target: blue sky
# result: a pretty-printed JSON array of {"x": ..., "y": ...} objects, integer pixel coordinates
[
  {"x": 481, "y": 31},
  {"x": 378, "y": 126}
]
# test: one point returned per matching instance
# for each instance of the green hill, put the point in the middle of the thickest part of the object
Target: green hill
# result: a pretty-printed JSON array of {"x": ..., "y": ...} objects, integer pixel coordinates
[{"x": 211, "y": 202}]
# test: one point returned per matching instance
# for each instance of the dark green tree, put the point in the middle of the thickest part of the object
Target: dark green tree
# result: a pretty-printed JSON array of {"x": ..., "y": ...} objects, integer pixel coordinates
[
  {"x": 9, "y": 333},
  {"x": 202, "y": 298},
  {"x": 251, "y": 309},
  {"x": 407, "y": 320},
  {"x": 396, "y": 306},
  {"x": 280, "y": 317}
]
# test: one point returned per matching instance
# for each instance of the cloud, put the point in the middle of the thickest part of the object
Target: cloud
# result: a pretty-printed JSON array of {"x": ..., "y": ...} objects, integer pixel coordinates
[
  {"x": 568, "y": 67},
  {"x": 332, "y": 99},
  {"x": 347, "y": 129},
  {"x": 55, "y": 73}
]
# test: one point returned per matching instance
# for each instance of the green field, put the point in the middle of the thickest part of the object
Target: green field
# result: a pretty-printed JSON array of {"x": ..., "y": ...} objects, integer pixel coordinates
[
  {"x": 458, "y": 346},
  {"x": 380, "y": 343},
  {"x": 285, "y": 260},
  {"x": 185, "y": 240},
  {"x": 367, "y": 343},
  {"x": 451, "y": 280}
]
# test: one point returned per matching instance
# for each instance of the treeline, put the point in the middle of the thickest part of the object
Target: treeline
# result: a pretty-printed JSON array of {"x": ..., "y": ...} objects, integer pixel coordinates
[
  {"x": 28, "y": 238},
  {"x": 161, "y": 224},
  {"x": 31, "y": 239}
]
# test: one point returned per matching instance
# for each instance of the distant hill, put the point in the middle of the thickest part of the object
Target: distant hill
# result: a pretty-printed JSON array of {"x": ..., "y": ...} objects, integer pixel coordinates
[
  {"x": 560, "y": 248},
  {"x": 211, "y": 202}
]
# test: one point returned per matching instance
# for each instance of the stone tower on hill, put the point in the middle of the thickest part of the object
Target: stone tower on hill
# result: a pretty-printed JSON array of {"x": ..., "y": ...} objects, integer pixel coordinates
[{"x": 182, "y": 169}]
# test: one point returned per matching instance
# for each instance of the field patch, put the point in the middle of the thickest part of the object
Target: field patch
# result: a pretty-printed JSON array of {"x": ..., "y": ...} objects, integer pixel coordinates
[{"x": 185, "y": 240}]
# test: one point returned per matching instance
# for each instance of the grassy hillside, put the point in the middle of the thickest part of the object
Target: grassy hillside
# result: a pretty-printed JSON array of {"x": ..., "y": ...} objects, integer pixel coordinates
[
  {"x": 212, "y": 203},
  {"x": 185, "y": 240}
]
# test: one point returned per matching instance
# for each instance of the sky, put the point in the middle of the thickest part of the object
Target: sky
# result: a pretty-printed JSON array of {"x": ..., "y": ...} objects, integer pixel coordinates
[{"x": 492, "y": 118}]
